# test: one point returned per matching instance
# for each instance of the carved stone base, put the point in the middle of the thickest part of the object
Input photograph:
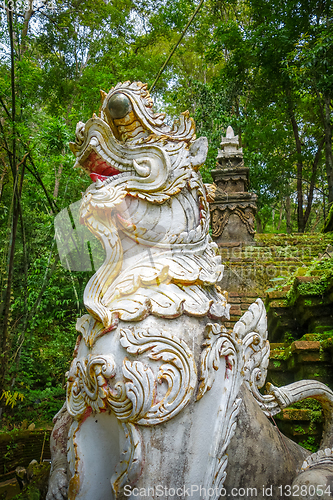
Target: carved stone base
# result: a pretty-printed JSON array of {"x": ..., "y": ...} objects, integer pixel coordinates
[{"x": 232, "y": 227}]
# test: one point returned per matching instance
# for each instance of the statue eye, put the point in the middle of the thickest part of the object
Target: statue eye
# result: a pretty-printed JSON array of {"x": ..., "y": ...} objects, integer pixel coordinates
[{"x": 119, "y": 105}]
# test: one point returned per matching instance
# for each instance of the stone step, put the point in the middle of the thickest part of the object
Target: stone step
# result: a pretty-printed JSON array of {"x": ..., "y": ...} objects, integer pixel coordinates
[{"x": 301, "y": 425}]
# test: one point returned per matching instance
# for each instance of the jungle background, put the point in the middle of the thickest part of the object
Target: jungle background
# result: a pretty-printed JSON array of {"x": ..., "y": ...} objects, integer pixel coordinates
[{"x": 264, "y": 67}]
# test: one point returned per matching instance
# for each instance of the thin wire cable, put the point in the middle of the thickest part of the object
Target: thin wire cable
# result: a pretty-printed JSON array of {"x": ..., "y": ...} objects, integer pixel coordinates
[{"x": 175, "y": 47}]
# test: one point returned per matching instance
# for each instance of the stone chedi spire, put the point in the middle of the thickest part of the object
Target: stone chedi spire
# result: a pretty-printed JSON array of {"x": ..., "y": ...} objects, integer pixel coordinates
[{"x": 232, "y": 207}]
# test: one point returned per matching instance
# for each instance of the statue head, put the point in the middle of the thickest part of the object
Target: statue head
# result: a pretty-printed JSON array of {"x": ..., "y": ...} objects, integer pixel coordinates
[
  {"x": 130, "y": 146},
  {"x": 148, "y": 207}
]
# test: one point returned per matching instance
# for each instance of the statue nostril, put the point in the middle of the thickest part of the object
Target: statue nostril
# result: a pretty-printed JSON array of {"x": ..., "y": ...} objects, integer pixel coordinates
[{"x": 119, "y": 106}]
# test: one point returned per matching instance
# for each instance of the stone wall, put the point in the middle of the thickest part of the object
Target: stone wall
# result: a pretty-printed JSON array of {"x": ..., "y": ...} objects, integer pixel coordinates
[
  {"x": 249, "y": 268},
  {"x": 300, "y": 319}
]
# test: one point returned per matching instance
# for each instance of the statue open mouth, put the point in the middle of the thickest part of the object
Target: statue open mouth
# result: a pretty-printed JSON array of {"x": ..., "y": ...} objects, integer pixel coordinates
[
  {"x": 99, "y": 168},
  {"x": 97, "y": 151}
]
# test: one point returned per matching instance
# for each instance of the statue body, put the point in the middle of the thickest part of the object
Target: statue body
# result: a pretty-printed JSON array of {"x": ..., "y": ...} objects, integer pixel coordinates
[{"x": 162, "y": 400}]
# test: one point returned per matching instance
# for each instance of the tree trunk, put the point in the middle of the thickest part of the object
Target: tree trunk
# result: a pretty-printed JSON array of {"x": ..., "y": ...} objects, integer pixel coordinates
[
  {"x": 2, "y": 180},
  {"x": 328, "y": 147},
  {"x": 259, "y": 224},
  {"x": 280, "y": 217},
  {"x": 17, "y": 191},
  {"x": 313, "y": 181},
  {"x": 316, "y": 222},
  {"x": 5, "y": 343},
  {"x": 288, "y": 214},
  {"x": 324, "y": 200},
  {"x": 300, "y": 214},
  {"x": 25, "y": 322},
  {"x": 57, "y": 181},
  {"x": 27, "y": 16}
]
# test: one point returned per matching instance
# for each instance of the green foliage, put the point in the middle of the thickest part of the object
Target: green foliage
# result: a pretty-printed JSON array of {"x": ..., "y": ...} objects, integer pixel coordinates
[
  {"x": 310, "y": 444},
  {"x": 324, "y": 270},
  {"x": 288, "y": 338},
  {"x": 11, "y": 398},
  {"x": 279, "y": 282},
  {"x": 309, "y": 403},
  {"x": 299, "y": 429},
  {"x": 265, "y": 72},
  {"x": 320, "y": 270}
]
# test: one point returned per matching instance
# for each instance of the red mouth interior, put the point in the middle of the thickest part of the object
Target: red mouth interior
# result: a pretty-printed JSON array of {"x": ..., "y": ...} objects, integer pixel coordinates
[{"x": 99, "y": 168}]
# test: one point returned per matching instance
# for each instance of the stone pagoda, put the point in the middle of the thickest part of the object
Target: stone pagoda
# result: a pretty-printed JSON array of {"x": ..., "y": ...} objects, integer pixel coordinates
[{"x": 232, "y": 207}]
